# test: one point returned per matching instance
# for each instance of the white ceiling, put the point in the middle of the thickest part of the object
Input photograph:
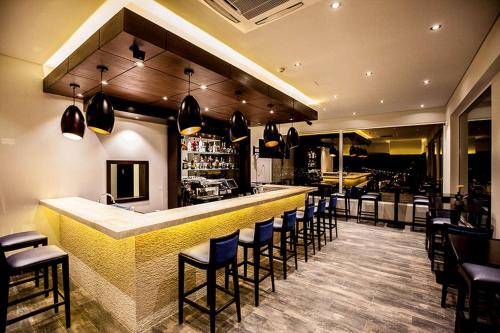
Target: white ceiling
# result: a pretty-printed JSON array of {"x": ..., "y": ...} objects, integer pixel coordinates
[{"x": 389, "y": 37}]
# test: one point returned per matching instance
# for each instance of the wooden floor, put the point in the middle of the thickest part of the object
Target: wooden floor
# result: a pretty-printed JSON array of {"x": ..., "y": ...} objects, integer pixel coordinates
[{"x": 370, "y": 279}]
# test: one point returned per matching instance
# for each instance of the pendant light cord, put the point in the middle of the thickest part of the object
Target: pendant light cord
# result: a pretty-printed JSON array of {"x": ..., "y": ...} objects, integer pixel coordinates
[
  {"x": 102, "y": 70},
  {"x": 189, "y": 84},
  {"x": 74, "y": 87}
]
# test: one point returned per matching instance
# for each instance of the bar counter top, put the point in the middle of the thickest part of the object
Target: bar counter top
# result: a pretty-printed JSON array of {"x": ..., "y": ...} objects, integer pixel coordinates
[{"x": 119, "y": 223}]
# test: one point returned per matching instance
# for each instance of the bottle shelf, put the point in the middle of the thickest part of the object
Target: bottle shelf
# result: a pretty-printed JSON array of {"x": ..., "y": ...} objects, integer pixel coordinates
[
  {"x": 208, "y": 153},
  {"x": 218, "y": 169}
]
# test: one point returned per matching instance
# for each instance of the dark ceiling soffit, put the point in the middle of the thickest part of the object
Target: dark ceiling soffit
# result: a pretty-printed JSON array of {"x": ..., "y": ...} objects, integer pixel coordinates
[{"x": 138, "y": 26}]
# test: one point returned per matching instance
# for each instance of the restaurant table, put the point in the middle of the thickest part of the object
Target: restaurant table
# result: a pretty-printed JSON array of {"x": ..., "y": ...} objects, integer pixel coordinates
[{"x": 477, "y": 251}]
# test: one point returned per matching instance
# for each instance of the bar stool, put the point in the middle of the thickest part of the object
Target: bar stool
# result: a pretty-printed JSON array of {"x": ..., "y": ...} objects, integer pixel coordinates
[
  {"x": 30, "y": 261},
  {"x": 418, "y": 200},
  {"x": 259, "y": 240},
  {"x": 347, "y": 203},
  {"x": 332, "y": 215},
  {"x": 306, "y": 217},
  {"x": 476, "y": 279},
  {"x": 286, "y": 228},
  {"x": 364, "y": 214},
  {"x": 320, "y": 214},
  {"x": 23, "y": 240},
  {"x": 210, "y": 256}
]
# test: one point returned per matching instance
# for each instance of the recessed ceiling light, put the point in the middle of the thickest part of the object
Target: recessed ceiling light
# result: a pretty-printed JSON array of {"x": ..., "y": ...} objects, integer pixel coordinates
[
  {"x": 206, "y": 109},
  {"x": 381, "y": 101},
  {"x": 422, "y": 106},
  {"x": 244, "y": 101},
  {"x": 354, "y": 113},
  {"x": 139, "y": 64},
  {"x": 291, "y": 119},
  {"x": 435, "y": 27},
  {"x": 271, "y": 111},
  {"x": 164, "y": 98},
  {"x": 136, "y": 117},
  {"x": 426, "y": 82},
  {"x": 335, "y": 5},
  {"x": 298, "y": 64},
  {"x": 335, "y": 97},
  {"x": 104, "y": 82},
  {"x": 259, "y": 123},
  {"x": 203, "y": 86},
  {"x": 324, "y": 109},
  {"x": 79, "y": 95},
  {"x": 369, "y": 74}
]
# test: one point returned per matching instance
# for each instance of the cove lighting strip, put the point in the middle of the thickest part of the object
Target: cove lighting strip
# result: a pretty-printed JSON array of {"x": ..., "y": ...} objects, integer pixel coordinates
[{"x": 170, "y": 21}]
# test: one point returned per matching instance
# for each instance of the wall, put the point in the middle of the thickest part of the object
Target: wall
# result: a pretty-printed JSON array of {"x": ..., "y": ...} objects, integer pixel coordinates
[
  {"x": 495, "y": 155},
  {"x": 38, "y": 162},
  {"x": 260, "y": 168}
]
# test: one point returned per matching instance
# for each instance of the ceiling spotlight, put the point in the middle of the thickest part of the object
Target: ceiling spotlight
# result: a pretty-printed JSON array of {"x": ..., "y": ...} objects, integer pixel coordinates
[
  {"x": 422, "y": 106},
  {"x": 271, "y": 111},
  {"x": 308, "y": 122},
  {"x": 137, "y": 53},
  {"x": 136, "y": 117},
  {"x": 203, "y": 87},
  {"x": 139, "y": 64},
  {"x": 298, "y": 64},
  {"x": 354, "y": 113},
  {"x": 369, "y": 74},
  {"x": 381, "y": 101},
  {"x": 206, "y": 109},
  {"x": 335, "y": 5},
  {"x": 281, "y": 69},
  {"x": 244, "y": 101},
  {"x": 335, "y": 97},
  {"x": 426, "y": 82},
  {"x": 79, "y": 95},
  {"x": 104, "y": 82},
  {"x": 435, "y": 27},
  {"x": 164, "y": 98}
]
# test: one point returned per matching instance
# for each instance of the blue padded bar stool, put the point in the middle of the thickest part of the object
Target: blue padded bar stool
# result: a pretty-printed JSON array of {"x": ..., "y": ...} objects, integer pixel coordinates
[
  {"x": 450, "y": 273},
  {"x": 320, "y": 214},
  {"x": 306, "y": 233},
  {"x": 30, "y": 261},
  {"x": 418, "y": 200},
  {"x": 285, "y": 227},
  {"x": 210, "y": 256},
  {"x": 365, "y": 214},
  {"x": 332, "y": 216},
  {"x": 347, "y": 203},
  {"x": 476, "y": 280},
  {"x": 21, "y": 240},
  {"x": 259, "y": 239}
]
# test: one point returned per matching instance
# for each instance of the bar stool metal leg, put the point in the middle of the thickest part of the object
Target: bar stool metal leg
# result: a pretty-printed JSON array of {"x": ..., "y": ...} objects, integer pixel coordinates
[
  {"x": 236, "y": 287},
  {"x": 54, "y": 287}
]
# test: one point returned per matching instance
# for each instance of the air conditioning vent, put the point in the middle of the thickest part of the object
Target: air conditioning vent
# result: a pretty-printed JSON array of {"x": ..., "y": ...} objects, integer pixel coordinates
[{"x": 248, "y": 15}]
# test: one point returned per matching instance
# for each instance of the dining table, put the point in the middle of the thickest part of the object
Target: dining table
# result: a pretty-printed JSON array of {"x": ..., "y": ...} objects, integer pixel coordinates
[{"x": 475, "y": 250}]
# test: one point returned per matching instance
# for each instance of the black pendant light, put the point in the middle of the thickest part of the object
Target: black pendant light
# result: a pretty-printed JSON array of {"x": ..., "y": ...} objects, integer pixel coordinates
[
  {"x": 353, "y": 151},
  {"x": 292, "y": 137},
  {"x": 100, "y": 115},
  {"x": 271, "y": 132},
  {"x": 238, "y": 127},
  {"x": 189, "y": 116},
  {"x": 333, "y": 151},
  {"x": 72, "y": 120}
]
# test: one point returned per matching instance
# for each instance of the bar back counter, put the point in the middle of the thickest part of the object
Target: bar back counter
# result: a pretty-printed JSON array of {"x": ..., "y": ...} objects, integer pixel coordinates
[{"x": 128, "y": 260}]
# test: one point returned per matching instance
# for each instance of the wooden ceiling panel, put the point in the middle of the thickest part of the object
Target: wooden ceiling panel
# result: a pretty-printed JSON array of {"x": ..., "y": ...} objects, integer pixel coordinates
[
  {"x": 88, "y": 68},
  {"x": 150, "y": 81},
  {"x": 169, "y": 63},
  {"x": 62, "y": 87},
  {"x": 127, "y": 94},
  {"x": 207, "y": 98}
]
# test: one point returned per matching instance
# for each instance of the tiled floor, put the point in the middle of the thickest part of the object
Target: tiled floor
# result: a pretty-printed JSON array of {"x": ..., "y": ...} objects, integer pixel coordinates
[{"x": 371, "y": 279}]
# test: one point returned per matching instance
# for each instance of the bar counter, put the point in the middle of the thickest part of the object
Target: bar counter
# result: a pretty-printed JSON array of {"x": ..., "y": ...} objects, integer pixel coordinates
[{"x": 128, "y": 260}]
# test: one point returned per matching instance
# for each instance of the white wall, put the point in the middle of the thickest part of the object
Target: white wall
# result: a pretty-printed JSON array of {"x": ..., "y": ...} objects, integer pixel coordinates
[{"x": 37, "y": 162}]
